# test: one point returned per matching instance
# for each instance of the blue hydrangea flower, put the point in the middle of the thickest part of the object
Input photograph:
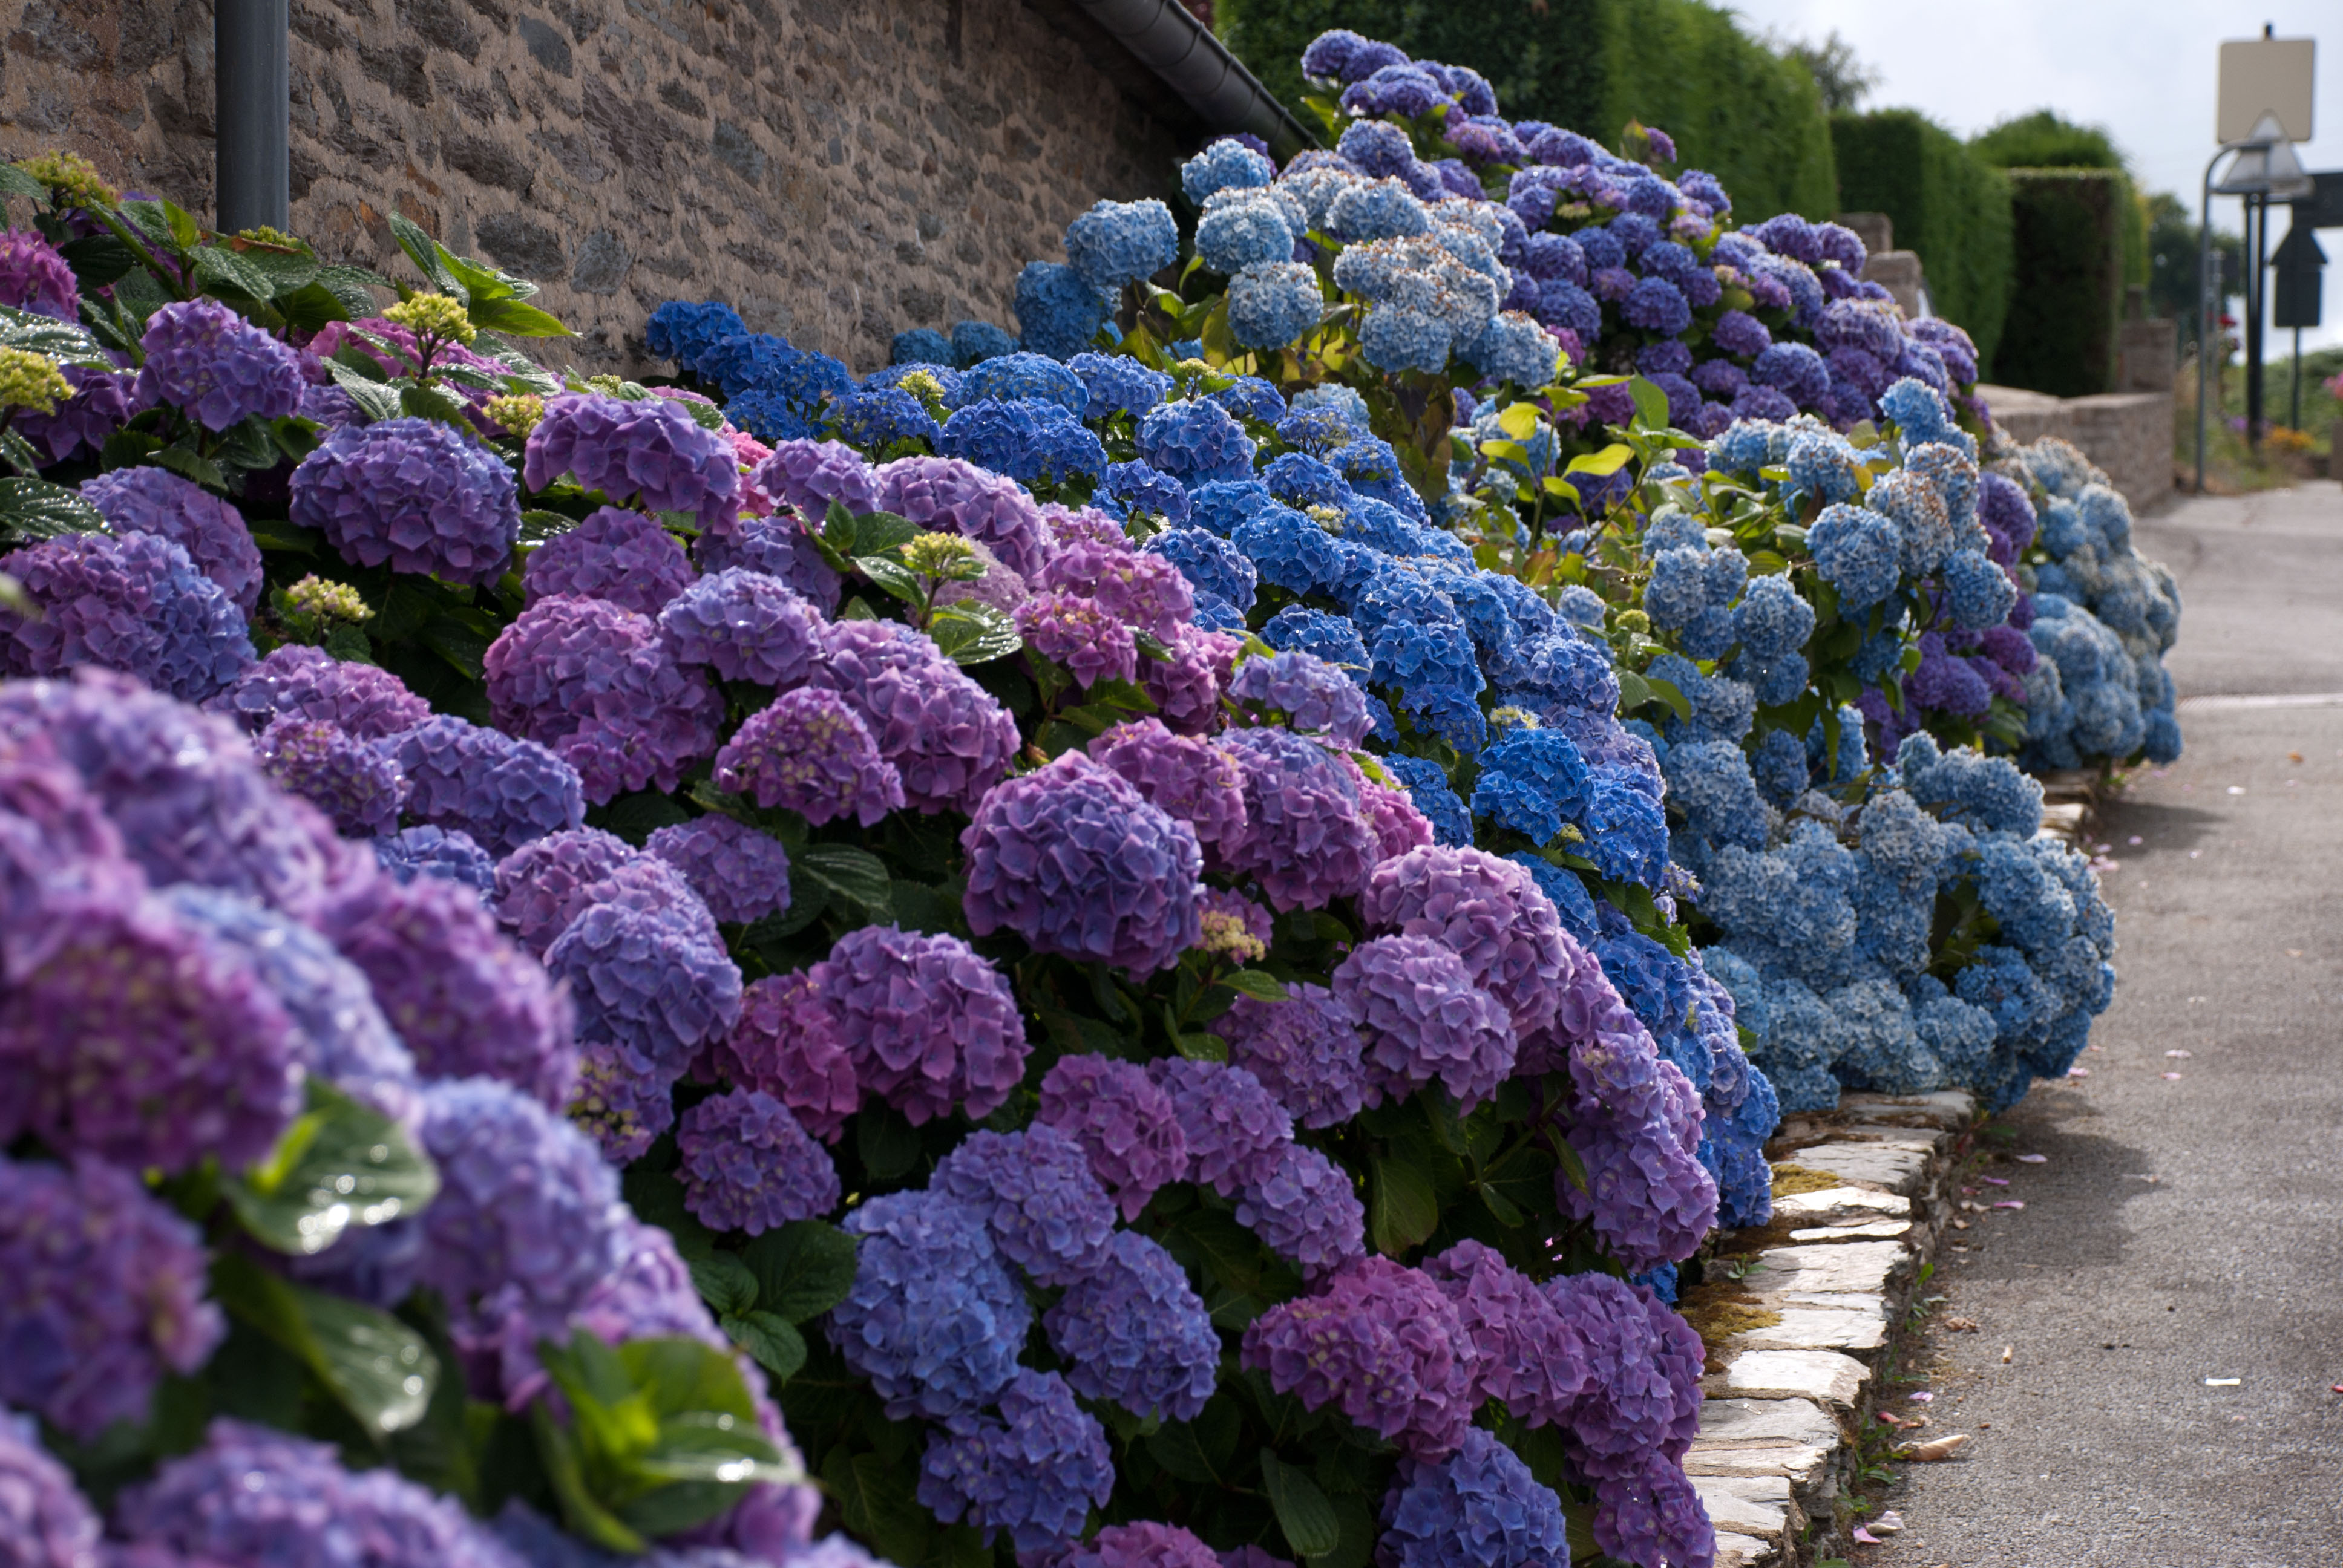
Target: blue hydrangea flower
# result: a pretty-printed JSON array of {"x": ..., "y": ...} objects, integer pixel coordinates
[
  {"x": 1273, "y": 302},
  {"x": 1225, "y": 164},
  {"x": 1040, "y": 1203},
  {"x": 1060, "y": 311},
  {"x": 1133, "y": 1330},
  {"x": 429, "y": 851},
  {"x": 1035, "y": 1473},
  {"x": 1858, "y": 553},
  {"x": 1289, "y": 551},
  {"x": 933, "y": 1320},
  {"x": 921, "y": 345},
  {"x": 1022, "y": 377},
  {"x": 138, "y": 603},
  {"x": 974, "y": 342},
  {"x": 1210, "y": 563},
  {"x": 682, "y": 331},
  {"x": 1478, "y": 1508},
  {"x": 878, "y": 418},
  {"x": 1427, "y": 785},
  {"x": 1533, "y": 781},
  {"x": 1142, "y": 487},
  {"x": 1118, "y": 384},
  {"x": 1195, "y": 441},
  {"x": 1116, "y": 243},
  {"x": 1250, "y": 397}
]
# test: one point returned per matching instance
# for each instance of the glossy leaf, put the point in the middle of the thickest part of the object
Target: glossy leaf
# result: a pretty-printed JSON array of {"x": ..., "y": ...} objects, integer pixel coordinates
[
  {"x": 971, "y": 632},
  {"x": 341, "y": 1166},
  {"x": 37, "y": 510},
  {"x": 1303, "y": 1511},
  {"x": 802, "y": 1269},
  {"x": 1404, "y": 1209},
  {"x": 846, "y": 872},
  {"x": 771, "y": 1340},
  {"x": 380, "y": 1369}
]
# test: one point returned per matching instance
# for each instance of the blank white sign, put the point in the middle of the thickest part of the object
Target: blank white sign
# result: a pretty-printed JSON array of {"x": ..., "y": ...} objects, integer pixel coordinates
[{"x": 2265, "y": 77}]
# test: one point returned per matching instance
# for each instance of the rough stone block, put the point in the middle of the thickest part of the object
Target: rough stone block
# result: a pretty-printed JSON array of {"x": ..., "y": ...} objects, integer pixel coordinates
[
  {"x": 1839, "y": 1205},
  {"x": 1815, "y": 1328},
  {"x": 1886, "y": 1167},
  {"x": 1862, "y": 1267},
  {"x": 1867, "y": 1231},
  {"x": 1758, "y": 1422},
  {"x": 1799, "y": 1465},
  {"x": 1744, "y": 1551},
  {"x": 1950, "y": 1109},
  {"x": 1826, "y": 1376},
  {"x": 1758, "y": 1505}
]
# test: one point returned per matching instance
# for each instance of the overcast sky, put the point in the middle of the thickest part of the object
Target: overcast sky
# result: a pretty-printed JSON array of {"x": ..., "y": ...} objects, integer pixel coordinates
[{"x": 2143, "y": 69}]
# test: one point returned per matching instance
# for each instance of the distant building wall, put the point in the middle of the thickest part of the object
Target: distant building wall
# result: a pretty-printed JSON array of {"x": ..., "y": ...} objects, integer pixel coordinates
[{"x": 837, "y": 169}]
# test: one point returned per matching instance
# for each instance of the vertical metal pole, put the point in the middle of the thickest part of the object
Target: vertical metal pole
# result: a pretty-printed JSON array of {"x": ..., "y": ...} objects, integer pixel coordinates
[
  {"x": 2294, "y": 417},
  {"x": 2256, "y": 219},
  {"x": 252, "y": 78},
  {"x": 2207, "y": 315}
]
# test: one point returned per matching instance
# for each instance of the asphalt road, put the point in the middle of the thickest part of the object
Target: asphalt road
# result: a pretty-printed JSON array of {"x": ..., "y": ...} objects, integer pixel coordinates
[{"x": 2182, "y": 1228}]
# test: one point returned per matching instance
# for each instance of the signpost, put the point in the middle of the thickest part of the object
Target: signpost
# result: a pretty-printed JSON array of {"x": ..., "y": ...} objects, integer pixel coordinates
[{"x": 2295, "y": 302}]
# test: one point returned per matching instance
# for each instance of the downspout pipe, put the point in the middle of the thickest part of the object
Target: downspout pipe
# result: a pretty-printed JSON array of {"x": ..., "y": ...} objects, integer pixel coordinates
[
  {"x": 253, "y": 84},
  {"x": 1164, "y": 37}
]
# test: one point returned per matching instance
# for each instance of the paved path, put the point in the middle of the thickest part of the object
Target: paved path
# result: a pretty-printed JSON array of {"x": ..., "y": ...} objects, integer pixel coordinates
[{"x": 2190, "y": 1228}]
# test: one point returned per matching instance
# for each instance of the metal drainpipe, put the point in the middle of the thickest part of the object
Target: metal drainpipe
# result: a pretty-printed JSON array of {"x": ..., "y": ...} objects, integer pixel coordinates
[
  {"x": 1165, "y": 37},
  {"x": 254, "y": 91}
]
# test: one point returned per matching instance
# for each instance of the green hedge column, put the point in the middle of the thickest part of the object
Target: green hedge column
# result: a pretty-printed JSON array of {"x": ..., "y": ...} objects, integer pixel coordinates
[
  {"x": 2067, "y": 231},
  {"x": 1735, "y": 108},
  {"x": 1947, "y": 203}
]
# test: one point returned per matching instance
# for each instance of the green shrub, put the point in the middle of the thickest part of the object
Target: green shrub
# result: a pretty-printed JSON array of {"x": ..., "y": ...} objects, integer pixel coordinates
[
  {"x": 2066, "y": 272},
  {"x": 2043, "y": 140},
  {"x": 1735, "y": 108},
  {"x": 1946, "y": 203}
]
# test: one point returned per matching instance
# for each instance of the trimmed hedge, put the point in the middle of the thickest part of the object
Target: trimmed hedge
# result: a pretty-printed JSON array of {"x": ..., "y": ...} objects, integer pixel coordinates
[
  {"x": 1946, "y": 203},
  {"x": 2066, "y": 244},
  {"x": 1735, "y": 108}
]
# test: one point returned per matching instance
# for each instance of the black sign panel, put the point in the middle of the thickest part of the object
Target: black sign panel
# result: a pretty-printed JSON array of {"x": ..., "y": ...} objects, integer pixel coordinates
[
  {"x": 2294, "y": 301},
  {"x": 2323, "y": 208}
]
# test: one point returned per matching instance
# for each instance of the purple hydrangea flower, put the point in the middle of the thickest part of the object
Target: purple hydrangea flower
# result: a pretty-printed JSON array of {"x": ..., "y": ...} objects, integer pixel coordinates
[
  {"x": 541, "y": 886},
  {"x": 786, "y": 1045},
  {"x": 934, "y": 1319},
  {"x": 355, "y": 782},
  {"x": 1145, "y": 592},
  {"x": 1642, "y": 1397},
  {"x": 35, "y": 277},
  {"x": 622, "y": 1102},
  {"x": 99, "y": 406},
  {"x": 525, "y": 1206},
  {"x": 648, "y": 983},
  {"x": 624, "y": 557},
  {"x": 1185, "y": 777},
  {"x": 649, "y": 450},
  {"x": 1423, "y": 1019},
  {"x": 748, "y": 1166},
  {"x": 1399, "y": 823},
  {"x": 137, "y": 603},
  {"x": 1046, "y": 1211},
  {"x": 1034, "y": 1472},
  {"x": 141, "y": 1041},
  {"x": 1304, "y": 1049},
  {"x": 361, "y": 699},
  {"x": 809, "y": 475},
  {"x": 1186, "y": 689},
  {"x": 1076, "y": 860},
  {"x": 1123, "y": 1120},
  {"x": 1653, "y": 1516},
  {"x": 102, "y": 1288},
  {"x": 745, "y": 626},
  {"x": 428, "y": 852},
  {"x": 149, "y": 500},
  {"x": 1304, "y": 839},
  {"x": 945, "y": 495},
  {"x": 779, "y": 547},
  {"x": 466, "y": 1000},
  {"x": 1381, "y": 1343},
  {"x": 1145, "y": 1545},
  {"x": 1079, "y": 634},
  {"x": 45, "y": 1522},
  {"x": 741, "y": 874},
  {"x": 1487, "y": 911},
  {"x": 1313, "y": 696},
  {"x": 595, "y": 683},
  {"x": 217, "y": 367},
  {"x": 1235, "y": 1131},
  {"x": 812, "y": 753},
  {"x": 1524, "y": 1355},
  {"x": 1307, "y": 1212},
  {"x": 1478, "y": 1508},
  {"x": 948, "y": 737},
  {"x": 412, "y": 494},
  {"x": 253, "y": 1494},
  {"x": 1134, "y": 1330},
  {"x": 1650, "y": 1198},
  {"x": 928, "y": 1023},
  {"x": 59, "y": 855}
]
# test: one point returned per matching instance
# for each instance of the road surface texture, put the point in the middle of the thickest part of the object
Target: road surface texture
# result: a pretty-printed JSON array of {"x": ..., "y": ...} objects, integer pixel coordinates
[{"x": 2149, "y": 1382}]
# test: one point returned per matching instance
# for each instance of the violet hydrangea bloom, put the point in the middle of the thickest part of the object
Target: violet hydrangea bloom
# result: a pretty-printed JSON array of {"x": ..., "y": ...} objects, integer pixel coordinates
[
  {"x": 1134, "y": 1330},
  {"x": 1235, "y": 1131},
  {"x": 1185, "y": 777},
  {"x": 777, "y": 546},
  {"x": 1145, "y": 1545},
  {"x": 1478, "y": 1508},
  {"x": 35, "y": 277},
  {"x": 1145, "y": 592},
  {"x": 1525, "y": 1356},
  {"x": 1381, "y": 1343},
  {"x": 786, "y": 1045},
  {"x": 1653, "y": 1516},
  {"x": 150, "y": 500},
  {"x": 411, "y": 494},
  {"x": 624, "y": 557},
  {"x": 594, "y": 682},
  {"x": 539, "y": 886},
  {"x": 466, "y": 1000},
  {"x": 1123, "y": 1121},
  {"x": 810, "y": 752},
  {"x": 45, "y": 1521},
  {"x": 650, "y": 449},
  {"x": 1642, "y": 1396},
  {"x": 622, "y": 1102},
  {"x": 102, "y": 1288},
  {"x": 143, "y": 1040},
  {"x": 1304, "y": 839},
  {"x": 748, "y": 1166},
  {"x": 949, "y": 739},
  {"x": 945, "y": 495},
  {"x": 217, "y": 367},
  {"x": 1045, "y": 1209},
  {"x": 1075, "y": 860},
  {"x": 137, "y": 603},
  {"x": 1079, "y": 636},
  {"x": 933, "y": 1320},
  {"x": 745, "y": 626},
  {"x": 1650, "y": 1198},
  {"x": 1187, "y": 688},
  {"x": 356, "y": 782},
  {"x": 362, "y": 700},
  {"x": 99, "y": 406},
  {"x": 1304, "y": 1049},
  {"x": 809, "y": 475},
  {"x": 1314, "y": 697},
  {"x": 649, "y": 982},
  {"x": 429, "y": 851},
  {"x": 1034, "y": 1472},
  {"x": 741, "y": 874},
  {"x": 1487, "y": 911},
  {"x": 1424, "y": 1019},
  {"x": 1307, "y": 1211},
  {"x": 929, "y": 1023}
]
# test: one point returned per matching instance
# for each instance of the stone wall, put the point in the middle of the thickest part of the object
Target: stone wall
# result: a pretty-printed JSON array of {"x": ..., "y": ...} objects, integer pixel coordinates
[
  {"x": 837, "y": 169},
  {"x": 2127, "y": 434}
]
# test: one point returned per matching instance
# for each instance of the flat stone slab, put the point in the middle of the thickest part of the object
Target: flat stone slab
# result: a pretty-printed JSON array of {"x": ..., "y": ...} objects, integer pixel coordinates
[
  {"x": 1760, "y": 1423},
  {"x": 1838, "y": 1205},
  {"x": 1824, "y": 1375},
  {"x": 1885, "y": 1166},
  {"x": 1813, "y": 1329},
  {"x": 1798, "y": 1466},
  {"x": 1743, "y": 1551},
  {"x": 1849, "y": 1267},
  {"x": 1757, "y": 1505},
  {"x": 1870, "y": 1231},
  {"x": 1949, "y": 1108}
]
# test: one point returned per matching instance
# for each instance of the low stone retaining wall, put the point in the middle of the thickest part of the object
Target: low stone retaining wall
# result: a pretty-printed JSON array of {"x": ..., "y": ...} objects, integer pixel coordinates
[{"x": 2127, "y": 434}]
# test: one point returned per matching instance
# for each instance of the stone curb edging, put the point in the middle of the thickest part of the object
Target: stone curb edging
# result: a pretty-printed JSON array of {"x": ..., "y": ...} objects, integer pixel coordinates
[{"x": 1799, "y": 1347}]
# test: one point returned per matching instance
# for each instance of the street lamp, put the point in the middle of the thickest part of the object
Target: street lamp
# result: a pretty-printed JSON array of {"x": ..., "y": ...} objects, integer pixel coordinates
[{"x": 2264, "y": 169}]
